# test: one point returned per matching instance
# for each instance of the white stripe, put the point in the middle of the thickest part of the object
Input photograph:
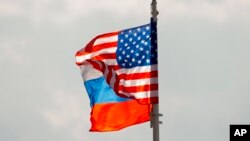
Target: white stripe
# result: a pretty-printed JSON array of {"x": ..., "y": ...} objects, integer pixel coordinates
[
  {"x": 88, "y": 72},
  {"x": 140, "y": 95},
  {"x": 106, "y": 40},
  {"x": 137, "y": 69},
  {"x": 110, "y": 61},
  {"x": 139, "y": 82},
  {"x": 82, "y": 58}
]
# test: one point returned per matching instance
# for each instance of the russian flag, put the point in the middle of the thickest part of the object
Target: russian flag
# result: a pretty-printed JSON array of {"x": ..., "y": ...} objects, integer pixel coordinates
[{"x": 109, "y": 111}]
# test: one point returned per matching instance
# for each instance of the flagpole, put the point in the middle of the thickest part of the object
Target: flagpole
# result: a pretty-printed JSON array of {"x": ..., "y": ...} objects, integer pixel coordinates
[
  {"x": 155, "y": 122},
  {"x": 154, "y": 11},
  {"x": 155, "y": 113}
]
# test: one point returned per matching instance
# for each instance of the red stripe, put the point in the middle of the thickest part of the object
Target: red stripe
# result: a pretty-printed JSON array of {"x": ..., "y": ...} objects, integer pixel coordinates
[
  {"x": 97, "y": 48},
  {"x": 151, "y": 100},
  {"x": 141, "y": 88},
  {"x": 95, "y": 65},
  {"x": 103, "y": 67},
  {"x": 89, "y": 46},
  {"x": 116, "y": 85},
  {"x": 109, "y": 75},
  {"x": 104, "y": 56},
  {"x": 101, "y": 58},
  {"x": 115, "y": 67},
  {"x": 139, "y": 75},
  {"x": 104, "y": 46}
]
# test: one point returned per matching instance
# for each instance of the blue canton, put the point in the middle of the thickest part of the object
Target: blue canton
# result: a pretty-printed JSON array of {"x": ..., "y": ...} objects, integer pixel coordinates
[{"x": 137, "y": 47}]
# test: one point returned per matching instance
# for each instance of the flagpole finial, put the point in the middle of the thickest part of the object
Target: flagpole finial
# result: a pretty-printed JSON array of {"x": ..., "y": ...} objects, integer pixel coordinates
[{"x": 154, "y": 10}]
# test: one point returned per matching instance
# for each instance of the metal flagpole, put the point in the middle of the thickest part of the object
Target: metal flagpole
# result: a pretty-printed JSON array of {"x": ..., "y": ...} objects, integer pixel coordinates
[
  {"x": 155, "y": 113},
  {"x": 154, "y": 11}
]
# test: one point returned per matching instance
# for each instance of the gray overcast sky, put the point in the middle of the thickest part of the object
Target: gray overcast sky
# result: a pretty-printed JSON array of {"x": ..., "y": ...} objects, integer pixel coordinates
[{"x": 204, "y": 60}]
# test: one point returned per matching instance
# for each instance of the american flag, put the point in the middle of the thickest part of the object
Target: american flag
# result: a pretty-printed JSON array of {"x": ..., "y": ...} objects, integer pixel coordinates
[{"x": 128, "y": 61}]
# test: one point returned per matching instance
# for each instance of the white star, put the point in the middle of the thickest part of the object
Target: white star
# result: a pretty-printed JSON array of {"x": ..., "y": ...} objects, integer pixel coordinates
[
  {"x": 137, "y": 54},
  {"x": 147, "y": 36},
  {"x": 126, "y": 35},
  {"x": 135, "y": 34},
  {"x": 133, "y": 59},
  {"x": 125, "y": 60},
  {"x": 119, "y": 57},
  {"x": 139, "y": 38},
  {"x": 147, "y": 52},
  {"x": 123, "y": 64},
  {"x": 148, "y": 61},
  {"x": 147, "y": 27},
  {"x": 130, "y": 39},
  {"x": 141, "y": 48},
  {"x": 128, "y": 56},
  {"x": 143, "y": 33},
  {"x": 130, "y": 64},
  {"x": 130, "y": 31},
  {"x": 123, "y": 52},
  {"x": 132, "y": 51},
  {"x": 134, "y": 43},
  {"x": 139, "y": 61},
  {"x": 126, "y": 44},
  {"x": 138, "y": 29},
  {"x": 143, "y": 56}
]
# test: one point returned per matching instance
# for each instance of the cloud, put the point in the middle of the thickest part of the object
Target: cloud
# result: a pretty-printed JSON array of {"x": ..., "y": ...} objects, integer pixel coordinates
[
  {"x": 65, "y": 112},
  {"x": 57, "y": 113},
  {"x": 67, "y": 11},
  {"x": 10, "y": 9},
  {"x": 11, "y": 52},
  {"x": 218, "y": 11}
]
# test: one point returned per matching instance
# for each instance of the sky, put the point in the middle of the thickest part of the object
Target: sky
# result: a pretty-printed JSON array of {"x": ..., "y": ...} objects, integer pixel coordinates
[{"x": 204, "y": 67}]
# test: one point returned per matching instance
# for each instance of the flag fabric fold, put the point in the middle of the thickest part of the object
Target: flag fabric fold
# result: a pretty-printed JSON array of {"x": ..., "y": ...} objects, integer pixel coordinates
[
  {"x": 120, "y": 74},
  {"x": 128, "y": 61}
]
